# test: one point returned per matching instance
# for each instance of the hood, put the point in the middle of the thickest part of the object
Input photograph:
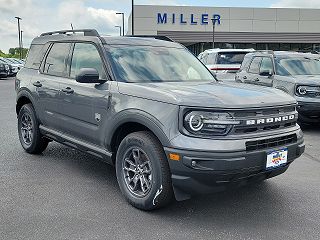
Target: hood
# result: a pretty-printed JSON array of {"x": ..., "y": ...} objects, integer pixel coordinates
[
  {"x": 307, "y": 79},
  {"x": 214, "y": 94}
]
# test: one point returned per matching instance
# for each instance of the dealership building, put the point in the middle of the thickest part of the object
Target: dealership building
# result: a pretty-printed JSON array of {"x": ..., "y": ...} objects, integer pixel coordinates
[{"x": 258, "y": 28}]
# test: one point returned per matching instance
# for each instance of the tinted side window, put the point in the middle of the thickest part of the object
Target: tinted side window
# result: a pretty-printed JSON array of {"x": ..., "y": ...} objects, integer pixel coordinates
[
  {"x": 86, "y": 55},
  {"x": 56, "y": 61},
  {"x": 255, "y": 65},
  {"x": 266, "y": 65},
  {"x": 35, "y": 56}
]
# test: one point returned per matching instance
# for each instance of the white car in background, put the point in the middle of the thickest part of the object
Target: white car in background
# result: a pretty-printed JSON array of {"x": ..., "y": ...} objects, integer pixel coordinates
[{"x": 224, "y": 63}]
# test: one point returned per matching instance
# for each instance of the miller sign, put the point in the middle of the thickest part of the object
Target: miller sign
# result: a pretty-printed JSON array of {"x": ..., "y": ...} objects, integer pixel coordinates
[{"x": 204, "y": 19}]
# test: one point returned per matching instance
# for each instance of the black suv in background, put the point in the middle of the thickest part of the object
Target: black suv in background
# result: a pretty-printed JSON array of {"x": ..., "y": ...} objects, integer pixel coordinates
[
  {"x": 4, "y": 70},
  {"x": 153, "y": 110},
  {"x": 297, "y": 74}
]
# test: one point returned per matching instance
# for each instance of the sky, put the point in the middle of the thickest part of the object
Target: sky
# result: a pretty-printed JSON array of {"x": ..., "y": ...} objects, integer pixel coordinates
[{"x": 48, "y": 15}]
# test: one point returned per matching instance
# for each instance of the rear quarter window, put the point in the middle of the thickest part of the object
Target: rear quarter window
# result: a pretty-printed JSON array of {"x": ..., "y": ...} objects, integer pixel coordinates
[{"x": 35, "y": 55}]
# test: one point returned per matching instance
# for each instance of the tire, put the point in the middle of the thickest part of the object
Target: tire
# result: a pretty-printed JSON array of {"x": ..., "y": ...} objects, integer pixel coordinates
[
  {"x": 151, "y": 174},
  {"x": 30, "y": 137}
]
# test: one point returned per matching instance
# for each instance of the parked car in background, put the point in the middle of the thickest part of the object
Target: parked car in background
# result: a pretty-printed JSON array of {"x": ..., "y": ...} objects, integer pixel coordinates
[
  {"x": 297, "y": 74},
  {"x": 14, "y": 67},
  {"x": 3, "y": 70},
  {"x": 16, "y": 60},
  {"x": 224, "y": 63}
]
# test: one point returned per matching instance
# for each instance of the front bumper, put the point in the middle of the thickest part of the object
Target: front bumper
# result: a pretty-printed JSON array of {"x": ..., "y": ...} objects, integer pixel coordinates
[{"x": 200, "y": 172}]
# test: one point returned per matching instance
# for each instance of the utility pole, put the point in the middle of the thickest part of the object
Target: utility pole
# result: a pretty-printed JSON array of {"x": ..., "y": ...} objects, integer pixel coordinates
[
  {"x": 19, "y": 33},
  {"x": 119, "y": 28},
  {"x": 122, "y": 21},
  {"x": 132, "y": 18},
  {"x": 213, "y": 29}
]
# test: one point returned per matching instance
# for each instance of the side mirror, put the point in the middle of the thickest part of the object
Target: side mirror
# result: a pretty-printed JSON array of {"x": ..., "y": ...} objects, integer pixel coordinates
[
  {"x": 268, "y": 73},
  {"x": 88, "y": 75}
]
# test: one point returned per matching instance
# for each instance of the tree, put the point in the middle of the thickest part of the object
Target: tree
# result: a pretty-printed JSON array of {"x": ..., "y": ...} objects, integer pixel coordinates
[{"x": 14, "y": 53}]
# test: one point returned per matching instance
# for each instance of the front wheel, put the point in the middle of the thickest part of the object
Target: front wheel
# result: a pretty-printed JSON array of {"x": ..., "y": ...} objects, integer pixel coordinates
[
  {"x": 143, "y": 172},
  {"x": 29, "y": 133}
]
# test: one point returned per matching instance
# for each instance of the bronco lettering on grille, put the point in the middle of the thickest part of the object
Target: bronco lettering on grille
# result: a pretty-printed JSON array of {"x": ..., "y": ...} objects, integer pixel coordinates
[{"x": 270, "y": 120}]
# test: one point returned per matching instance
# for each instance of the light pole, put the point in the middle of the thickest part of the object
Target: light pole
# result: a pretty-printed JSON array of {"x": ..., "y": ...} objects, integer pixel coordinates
[
  {"x": 19, "y": 33},
  {"x": 213, "y": 28},
  {"x": 122, "y": 21},
  {"x": 119, "y": 28},
  {"x": 132, "y": 18},
  {"x": 21, "y": 43}
]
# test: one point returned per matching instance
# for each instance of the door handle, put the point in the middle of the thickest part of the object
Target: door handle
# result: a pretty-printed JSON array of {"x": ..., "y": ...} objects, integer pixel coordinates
[
  {"x": 68, "y": 90},
  {"x": 37, "y": 84},
  {"x": 257, "y": 80},
  {"x": 244, "y": 77}
]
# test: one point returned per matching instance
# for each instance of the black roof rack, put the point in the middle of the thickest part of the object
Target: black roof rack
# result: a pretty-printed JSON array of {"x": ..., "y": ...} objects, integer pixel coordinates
[
  {"x": 159, "y": 37},
  {"x": 86, "y": 32}
]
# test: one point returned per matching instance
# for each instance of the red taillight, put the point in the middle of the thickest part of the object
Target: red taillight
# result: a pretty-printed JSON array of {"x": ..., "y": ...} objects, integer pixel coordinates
[{"x": 225, "y": 69}]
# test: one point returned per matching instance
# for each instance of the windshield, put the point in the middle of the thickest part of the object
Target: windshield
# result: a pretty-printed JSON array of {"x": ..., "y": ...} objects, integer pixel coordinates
[
  {"x": 297, "y": 66},
  {"x": 230, "y": 57},
  {"x": 157, "y": 64}
]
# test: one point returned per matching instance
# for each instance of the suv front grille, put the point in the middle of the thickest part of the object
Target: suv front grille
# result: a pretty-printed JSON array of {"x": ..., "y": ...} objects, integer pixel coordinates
[
  {"x": 264, "y": 119},
  {"x": 270, "y": 142}
]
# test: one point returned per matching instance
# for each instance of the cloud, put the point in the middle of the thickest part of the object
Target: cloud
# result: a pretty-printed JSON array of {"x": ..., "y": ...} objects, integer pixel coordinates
[
  {"x": 296, "y": 4},
  {"x": 47, "y": 15}
]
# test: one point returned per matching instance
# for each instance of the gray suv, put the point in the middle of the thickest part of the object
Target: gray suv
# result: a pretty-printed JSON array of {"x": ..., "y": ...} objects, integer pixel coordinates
[
  {"x": 297, "y": 74},
  {"x": 153, "y": 110}
]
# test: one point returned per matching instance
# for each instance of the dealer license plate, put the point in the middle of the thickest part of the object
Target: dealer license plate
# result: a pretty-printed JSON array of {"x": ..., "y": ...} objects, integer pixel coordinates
[{"x": 277, "y": 158}]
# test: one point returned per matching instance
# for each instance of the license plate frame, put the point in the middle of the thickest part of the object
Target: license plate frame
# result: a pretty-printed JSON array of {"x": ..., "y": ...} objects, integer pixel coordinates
[{"x": 276, "y": 158}]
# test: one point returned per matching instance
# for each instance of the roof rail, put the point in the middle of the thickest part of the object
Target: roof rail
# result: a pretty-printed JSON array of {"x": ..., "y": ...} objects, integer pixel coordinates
[
  {"x": 86, "y": 32},
  {"x": 159, "y": 37},
  {"x": 308, "y": 51},
  {"x": 265, "y": 51}
]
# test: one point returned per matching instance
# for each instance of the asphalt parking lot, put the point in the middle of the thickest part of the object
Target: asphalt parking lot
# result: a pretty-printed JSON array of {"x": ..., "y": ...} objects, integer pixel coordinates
[{"x": 66, "y": 194}]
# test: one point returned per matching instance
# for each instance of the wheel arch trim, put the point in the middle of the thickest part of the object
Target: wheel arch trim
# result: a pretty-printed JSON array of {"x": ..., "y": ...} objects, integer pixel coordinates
[{"x": 139, "y": 117}]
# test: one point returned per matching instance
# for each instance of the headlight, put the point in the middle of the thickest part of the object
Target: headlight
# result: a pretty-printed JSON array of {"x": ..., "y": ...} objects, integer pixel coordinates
[
  {"x": 208, "y": 123},
  {"x": 304, "y": 90}
]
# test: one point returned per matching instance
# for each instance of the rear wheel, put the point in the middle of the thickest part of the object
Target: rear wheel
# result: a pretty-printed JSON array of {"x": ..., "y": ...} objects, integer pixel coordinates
[
  {"x": 28, "y": 129},
  {"x": 143, "y": 172}
]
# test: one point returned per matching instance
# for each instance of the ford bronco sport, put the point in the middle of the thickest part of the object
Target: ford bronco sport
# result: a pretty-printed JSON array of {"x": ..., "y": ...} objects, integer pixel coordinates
[
  {"x": 297, "y": 74},
  {"x": 153, "y": 110}
]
